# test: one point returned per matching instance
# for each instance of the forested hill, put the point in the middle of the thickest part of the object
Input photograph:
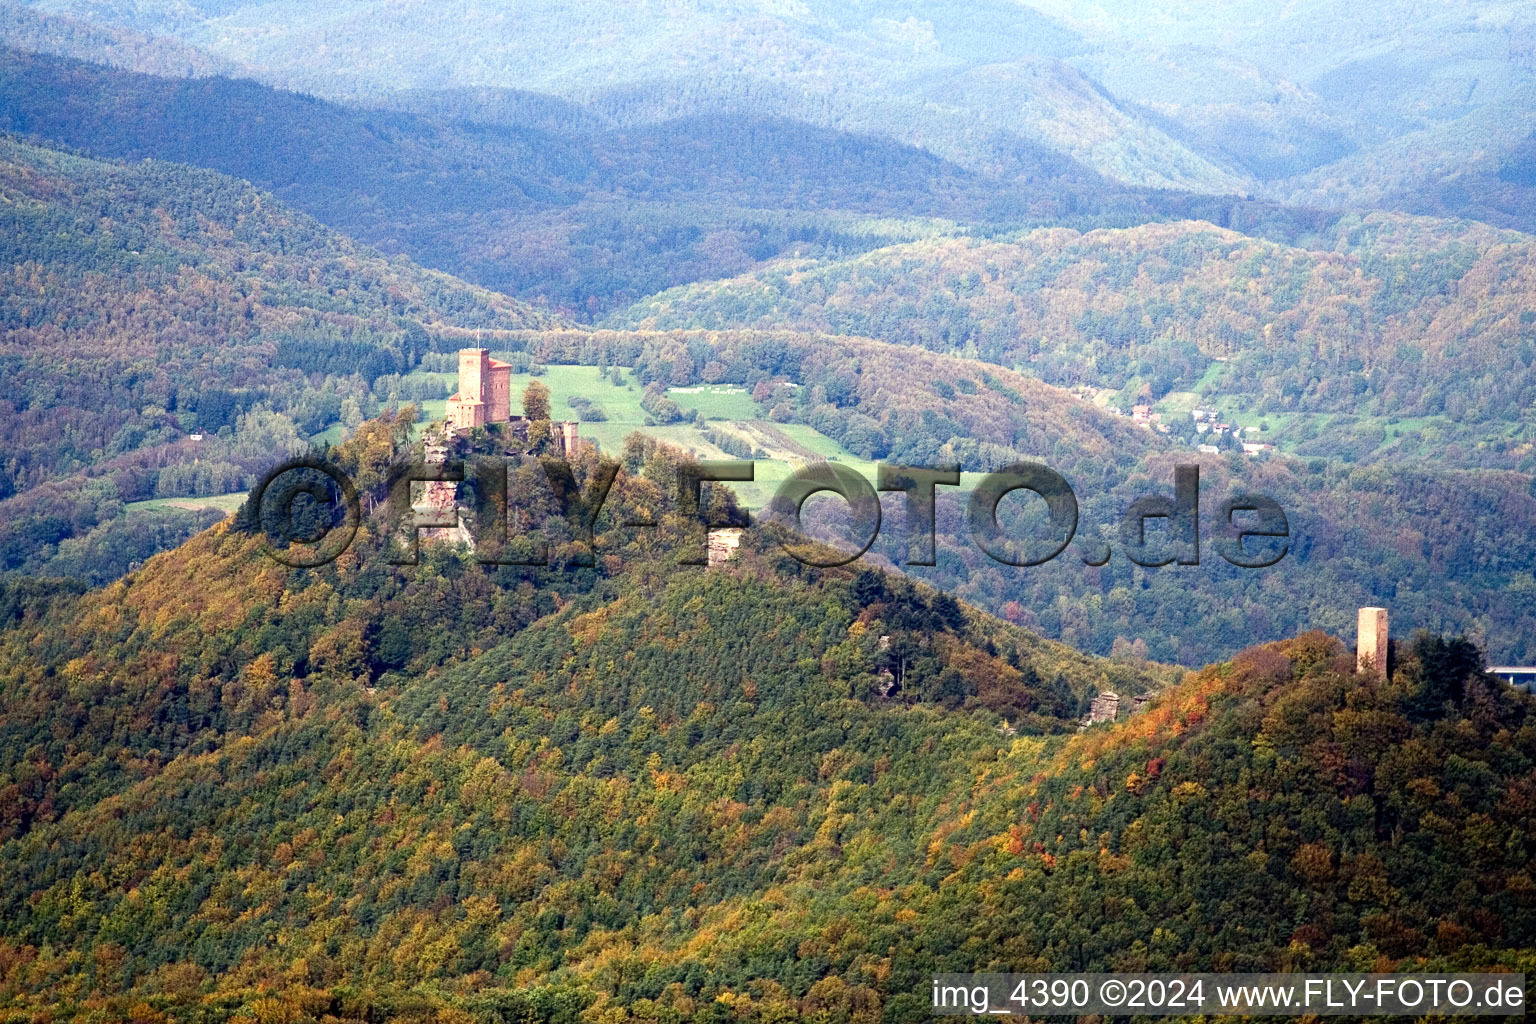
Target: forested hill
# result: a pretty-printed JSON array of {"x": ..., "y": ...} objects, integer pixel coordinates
[
  {"x": 1383, "y": 315},
  {"x": 691, "y": 725},
  {"x": 34, "y": 31},
  {"x": 369, "y": 791},
  {"x": 147, "y": 302},
  {"x": 587, "y": 217}
]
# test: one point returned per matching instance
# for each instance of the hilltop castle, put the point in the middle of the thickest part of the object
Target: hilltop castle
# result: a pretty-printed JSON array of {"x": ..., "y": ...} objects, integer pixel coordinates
[
  {"x": 485, "y": 397},
  {"x": 485, "y": 391}
]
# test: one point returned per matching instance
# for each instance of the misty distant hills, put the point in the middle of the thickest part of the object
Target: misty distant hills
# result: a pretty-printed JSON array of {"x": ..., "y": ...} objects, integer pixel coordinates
[
  {"x": 588, "y": 218},
  {"x": 861, "y": 69},
  {"x": 34, "y": 31},
  {"x": 1226, "y": 98},
  {"x": 1480, "y": 165}
]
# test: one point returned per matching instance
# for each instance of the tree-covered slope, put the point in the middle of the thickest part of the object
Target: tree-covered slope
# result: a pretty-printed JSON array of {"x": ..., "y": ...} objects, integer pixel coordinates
[
  {"x": 619, "y": 742},
  {"x": 1279, "y": 801},
  {"x": 147, "y": 302},
  {"x": 1449, "y": 549},
  {"x": 1382, "y": 315},
  {"x": 663, "y": 793}
]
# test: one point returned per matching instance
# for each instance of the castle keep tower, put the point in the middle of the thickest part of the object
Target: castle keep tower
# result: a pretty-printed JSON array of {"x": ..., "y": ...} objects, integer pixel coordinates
[
  {"x": 485, "y": 391},
  {"x": 1371, "y": 644},
  {"x": 485, "y": 397}
]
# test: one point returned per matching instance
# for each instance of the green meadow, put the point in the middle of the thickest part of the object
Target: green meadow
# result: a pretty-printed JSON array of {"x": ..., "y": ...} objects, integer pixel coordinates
[
  {"x": 725, "y": 407},
  {"x": 223, "y": 502}
]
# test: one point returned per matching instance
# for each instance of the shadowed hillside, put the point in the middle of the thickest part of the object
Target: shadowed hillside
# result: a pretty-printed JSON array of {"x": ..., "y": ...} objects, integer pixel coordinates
[{"x": 585, "y": 216}]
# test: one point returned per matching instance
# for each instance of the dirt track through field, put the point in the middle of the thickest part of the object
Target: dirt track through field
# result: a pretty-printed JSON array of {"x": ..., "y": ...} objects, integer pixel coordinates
[{"x": 775, "y": 441}]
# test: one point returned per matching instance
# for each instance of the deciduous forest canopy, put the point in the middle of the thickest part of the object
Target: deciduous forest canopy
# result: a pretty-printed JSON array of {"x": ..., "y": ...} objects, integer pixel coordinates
[{"x": 1291, "y": 246}]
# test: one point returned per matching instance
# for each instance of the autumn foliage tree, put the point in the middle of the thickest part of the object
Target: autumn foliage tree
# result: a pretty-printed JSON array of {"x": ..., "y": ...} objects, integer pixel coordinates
[{"x": 536, "y": 401}]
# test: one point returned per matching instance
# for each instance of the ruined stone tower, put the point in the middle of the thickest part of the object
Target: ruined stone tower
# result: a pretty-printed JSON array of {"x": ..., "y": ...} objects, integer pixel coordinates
[
  {"x": 1371, "y": 642},
  {"x": 437, "y": 514}
]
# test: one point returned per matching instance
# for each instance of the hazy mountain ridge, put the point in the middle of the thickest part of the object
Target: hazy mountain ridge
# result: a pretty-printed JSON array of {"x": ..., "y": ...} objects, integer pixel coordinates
[
  {"x": 813, "y": 55},
  {"x": 583, "y": 221},
  {"x": 1479, "y": 166},
  {"x": 26, "y": 29},
  {"x": 1208, "y": 100},
  {"x": 979, "y": 117},
  {"x": 1050, "y": 102},
  {"x": 464, "y": 193}
]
